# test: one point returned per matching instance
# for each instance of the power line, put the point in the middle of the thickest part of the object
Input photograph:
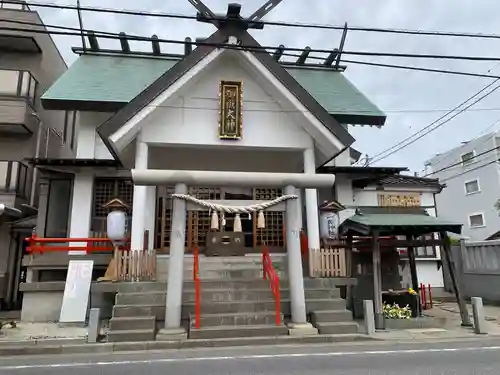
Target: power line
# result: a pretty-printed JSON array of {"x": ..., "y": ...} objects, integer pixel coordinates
[
  {"x": 438, "y": 125},
  {"x": 469, "y": 170},
  {"x": 449, "y": 154},
  {"x": 270, "y": 23},
  {"x": 462, "y": 161},
  {"x": 283, "y": 48},
  {"x": 435, "y": 121},
  {"x": 262, "y": 49}
]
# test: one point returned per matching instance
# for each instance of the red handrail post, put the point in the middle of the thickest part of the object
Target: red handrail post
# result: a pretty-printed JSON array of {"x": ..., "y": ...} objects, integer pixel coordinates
[
  {"x": 272, "y": 276},
  {"x": 430, "y": 296},
  {"x": 424, "y": 297}
]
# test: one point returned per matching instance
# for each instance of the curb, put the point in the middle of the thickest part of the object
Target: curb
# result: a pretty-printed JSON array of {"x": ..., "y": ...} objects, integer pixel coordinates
[{"x": 51, "y": 348}]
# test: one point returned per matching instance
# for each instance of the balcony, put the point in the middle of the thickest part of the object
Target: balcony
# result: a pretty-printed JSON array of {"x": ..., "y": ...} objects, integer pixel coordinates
[
  {"x": 19, "y": 5},
  {"x": 17, "y": 41},
  {"x": 15, "y": 182},
  {"x": 17, "y": 98}
]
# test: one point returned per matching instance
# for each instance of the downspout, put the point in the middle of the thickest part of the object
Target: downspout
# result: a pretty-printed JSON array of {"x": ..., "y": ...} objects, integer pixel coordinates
[{"x": 37, "y": 153}]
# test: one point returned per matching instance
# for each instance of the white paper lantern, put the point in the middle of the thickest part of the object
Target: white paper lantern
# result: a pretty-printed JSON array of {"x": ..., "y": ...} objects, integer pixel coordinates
[
  {"x": 116, "y": 225},
  {"x": 329, "y": 223}
]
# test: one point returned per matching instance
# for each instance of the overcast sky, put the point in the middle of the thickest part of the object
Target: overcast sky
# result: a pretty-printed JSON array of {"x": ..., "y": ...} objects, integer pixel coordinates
[{"x": 411, "y": 99}]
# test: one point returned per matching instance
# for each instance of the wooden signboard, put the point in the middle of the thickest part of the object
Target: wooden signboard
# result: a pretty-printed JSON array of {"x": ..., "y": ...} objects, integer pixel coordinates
[
  {"x": 76, "y": 292},
  {"x": 399, "y": 200},
  {"x": 230, "y": 121}
]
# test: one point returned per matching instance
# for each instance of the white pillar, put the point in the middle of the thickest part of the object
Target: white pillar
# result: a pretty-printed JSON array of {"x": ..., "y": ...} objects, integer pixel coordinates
[
  {"x": 311, "y": 202},
  {"x": 294, "y": 257},
  {"x": 81, "y": 208},
  {"x": 175, "y": 267},
  {"x": 300, "y": 194},
  {"x": 150, "y": 219},
  {"x": 140, "y": 198}
]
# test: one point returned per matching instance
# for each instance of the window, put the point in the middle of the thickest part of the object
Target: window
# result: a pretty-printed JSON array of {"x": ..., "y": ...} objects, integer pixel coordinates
[
  {"x": 73, "y": 129},
  {"x": 9, "y": 82},
  {"x": 18, "y": 83},
  {"x": 467, "y": 158},
  {"x": 58, "y": 208},
  {"x": 472, "y": 187},
  {"x": 65, "y": 128},
  {"x": 69, "y": 125},
  {"x": 476, "y": 220}
]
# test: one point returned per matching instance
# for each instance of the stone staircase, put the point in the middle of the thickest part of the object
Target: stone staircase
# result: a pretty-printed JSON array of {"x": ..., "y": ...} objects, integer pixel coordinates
[{"x": 235, "y": 302}]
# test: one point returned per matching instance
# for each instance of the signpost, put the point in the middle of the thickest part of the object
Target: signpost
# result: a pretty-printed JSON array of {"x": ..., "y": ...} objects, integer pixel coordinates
[{"x": 76, "y": 292}]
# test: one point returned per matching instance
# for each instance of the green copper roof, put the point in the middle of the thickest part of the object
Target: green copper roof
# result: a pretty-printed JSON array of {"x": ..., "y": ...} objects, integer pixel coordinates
[
  {"x": 119, "y": 79},
  {"x": 397, "y": 221}
]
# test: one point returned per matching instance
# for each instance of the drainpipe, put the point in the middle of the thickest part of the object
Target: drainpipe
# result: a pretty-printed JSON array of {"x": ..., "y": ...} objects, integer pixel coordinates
[{"x": 37, "y": 152}]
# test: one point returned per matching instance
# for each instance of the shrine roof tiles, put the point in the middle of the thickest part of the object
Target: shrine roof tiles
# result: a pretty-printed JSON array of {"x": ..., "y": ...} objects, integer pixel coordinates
[{"x": 109, "y": 82}]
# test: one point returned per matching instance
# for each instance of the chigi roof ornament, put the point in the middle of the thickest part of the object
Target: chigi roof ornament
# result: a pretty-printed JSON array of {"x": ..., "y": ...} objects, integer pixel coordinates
[{"x": 233, "y": 17}]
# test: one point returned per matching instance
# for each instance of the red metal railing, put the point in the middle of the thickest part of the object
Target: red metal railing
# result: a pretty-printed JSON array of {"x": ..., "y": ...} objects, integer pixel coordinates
[
  {"x": 196, "y": 278},
  {"x": 42, "y": 245},
  {"x": 271, "y": 275},
  {"x": 423, "y": 296}
]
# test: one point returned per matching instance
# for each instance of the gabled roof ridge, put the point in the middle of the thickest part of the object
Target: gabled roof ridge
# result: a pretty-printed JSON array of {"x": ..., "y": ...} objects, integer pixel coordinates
[{"x": 221, "y": 36}]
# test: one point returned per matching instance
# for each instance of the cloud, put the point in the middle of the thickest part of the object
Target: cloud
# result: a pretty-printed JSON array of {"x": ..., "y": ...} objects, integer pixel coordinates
[{"x": 391, "y": 89}]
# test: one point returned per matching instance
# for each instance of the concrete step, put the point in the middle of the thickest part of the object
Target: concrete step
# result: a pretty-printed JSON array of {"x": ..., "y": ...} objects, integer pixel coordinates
[
  {"x": 254, "y": 294},
  {"x": 243, "y": 283},
  {"x": 263, "y": 306},
  {"x": 157, "y": 311},
  {"x": 141, "y": 298},
  {"x": 236, "y": 284},
  {"x": 337, "y": 328},
  {"x": 224, "y": 273},
  {"x": 131, "y": 335},
  {"x": 331, "y": 316},
  {"x": 132, "y": 323},
  {"x": 143, "y": 286},
  {"x": 236, "y": 319},
  {"x": 237, "y": 331},
  {"x": 217, "y": 295}
]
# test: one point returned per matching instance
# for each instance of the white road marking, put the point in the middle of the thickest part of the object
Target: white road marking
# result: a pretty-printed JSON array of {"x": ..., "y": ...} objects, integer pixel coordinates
[{"x": 242, "y": 357}]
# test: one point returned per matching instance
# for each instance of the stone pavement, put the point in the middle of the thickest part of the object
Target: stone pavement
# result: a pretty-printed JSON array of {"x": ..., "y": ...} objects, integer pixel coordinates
[{"x": 41, "y": 338}]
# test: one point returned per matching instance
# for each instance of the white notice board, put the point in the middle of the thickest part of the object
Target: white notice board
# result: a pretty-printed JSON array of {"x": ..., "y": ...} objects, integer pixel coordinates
[{"x": 76, "y": 292}]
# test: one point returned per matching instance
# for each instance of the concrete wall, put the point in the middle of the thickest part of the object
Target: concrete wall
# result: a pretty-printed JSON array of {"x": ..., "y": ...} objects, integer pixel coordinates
[
  {"x": 482, "y": 202},
  {"x": 478, "y": 268}
]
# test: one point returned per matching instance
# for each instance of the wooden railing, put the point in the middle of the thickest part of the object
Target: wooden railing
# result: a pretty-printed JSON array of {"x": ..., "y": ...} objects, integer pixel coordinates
[
  {"x": 196, "y": 278},
  {"x": 274, "y": 282},
  {"x": 328, "y": 262}
]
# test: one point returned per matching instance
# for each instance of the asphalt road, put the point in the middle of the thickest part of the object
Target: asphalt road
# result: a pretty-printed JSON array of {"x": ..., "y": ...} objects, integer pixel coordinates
[{"x": 464, "y": 358}]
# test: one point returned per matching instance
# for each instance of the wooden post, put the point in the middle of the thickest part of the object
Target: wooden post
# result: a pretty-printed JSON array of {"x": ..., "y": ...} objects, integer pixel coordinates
[
  {"x": 413, "y": 270},
  {"x": 377, "y": 282},
  {"x": 455, "y": 282},
  {"x": 349, "y": 273}
]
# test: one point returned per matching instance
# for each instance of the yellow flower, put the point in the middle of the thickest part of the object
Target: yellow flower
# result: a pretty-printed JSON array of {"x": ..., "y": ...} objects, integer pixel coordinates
[{"x": 411, "y": 291}]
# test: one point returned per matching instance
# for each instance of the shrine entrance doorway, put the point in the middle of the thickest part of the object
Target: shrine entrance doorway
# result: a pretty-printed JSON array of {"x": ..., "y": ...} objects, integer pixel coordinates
[{"x": 198, "y": 223}]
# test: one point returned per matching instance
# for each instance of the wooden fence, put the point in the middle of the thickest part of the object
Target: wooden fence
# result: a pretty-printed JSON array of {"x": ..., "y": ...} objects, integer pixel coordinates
[
  {"x": 327, "y": 262},
  {"x": 135, "y": 265}
]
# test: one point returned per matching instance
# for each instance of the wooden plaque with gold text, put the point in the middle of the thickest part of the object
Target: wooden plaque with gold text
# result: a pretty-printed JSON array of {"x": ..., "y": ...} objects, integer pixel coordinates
[{"x": 230, "y": 120}]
